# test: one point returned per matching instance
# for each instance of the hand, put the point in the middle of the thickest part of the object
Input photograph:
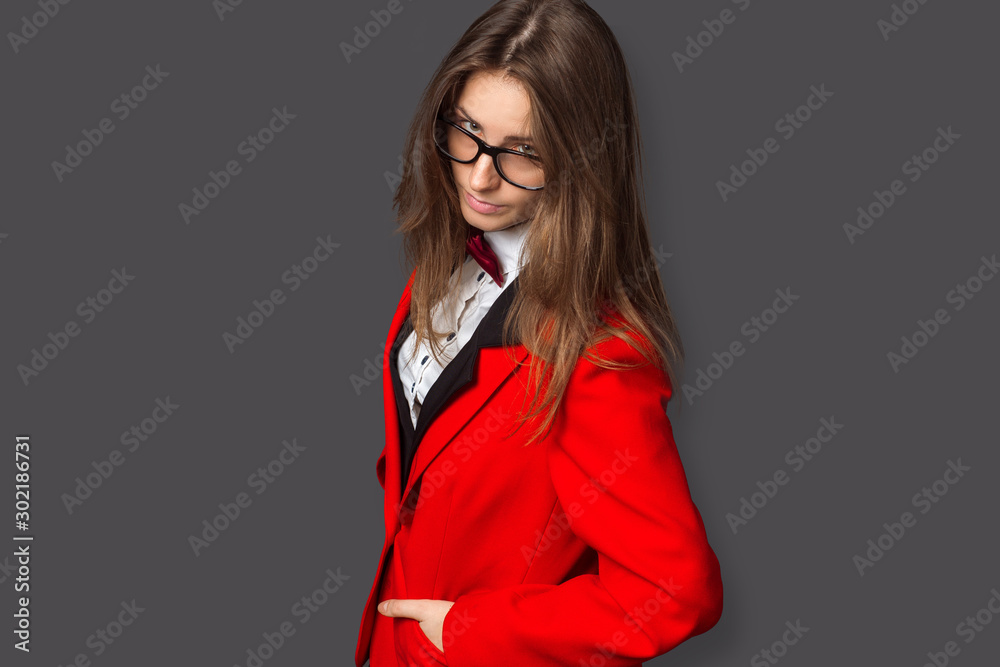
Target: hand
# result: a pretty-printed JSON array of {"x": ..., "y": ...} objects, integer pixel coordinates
[{"x": 429, "y": 613}]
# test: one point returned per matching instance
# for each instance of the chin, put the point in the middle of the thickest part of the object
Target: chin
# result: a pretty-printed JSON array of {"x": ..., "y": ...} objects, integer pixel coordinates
[
  {"x": 485, "y": 222},
  {"x": 492, "y": 224}
]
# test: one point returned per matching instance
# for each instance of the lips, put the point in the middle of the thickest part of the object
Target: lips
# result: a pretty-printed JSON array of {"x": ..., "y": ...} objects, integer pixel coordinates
[
  {"x": 481, "y": 201},
  {"x": 481, "y": 206}
]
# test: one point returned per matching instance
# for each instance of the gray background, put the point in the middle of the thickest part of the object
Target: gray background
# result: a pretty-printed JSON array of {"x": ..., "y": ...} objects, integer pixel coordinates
[{"x": 325, "y": 175}]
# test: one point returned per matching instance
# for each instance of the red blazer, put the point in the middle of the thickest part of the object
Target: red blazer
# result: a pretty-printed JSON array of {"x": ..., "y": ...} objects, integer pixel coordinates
[{"x": 582, "y": 545}]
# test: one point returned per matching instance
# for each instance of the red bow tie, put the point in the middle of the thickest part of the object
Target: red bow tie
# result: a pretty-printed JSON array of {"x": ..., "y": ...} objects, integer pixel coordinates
[{"x": 480, "y": 250}]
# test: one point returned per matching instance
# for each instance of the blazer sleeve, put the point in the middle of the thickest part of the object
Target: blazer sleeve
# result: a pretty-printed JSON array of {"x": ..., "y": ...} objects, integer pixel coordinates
[{"x": 622, "y": 488}]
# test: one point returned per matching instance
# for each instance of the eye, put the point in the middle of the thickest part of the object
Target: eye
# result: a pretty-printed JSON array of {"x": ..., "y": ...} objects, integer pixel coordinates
[
  {"x": 463, "y": 121},
  {"x": 527, "y": 149}
]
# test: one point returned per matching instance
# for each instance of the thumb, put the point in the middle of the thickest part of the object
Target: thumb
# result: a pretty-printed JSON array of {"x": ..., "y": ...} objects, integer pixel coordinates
[{"x": 395, "y": 607}]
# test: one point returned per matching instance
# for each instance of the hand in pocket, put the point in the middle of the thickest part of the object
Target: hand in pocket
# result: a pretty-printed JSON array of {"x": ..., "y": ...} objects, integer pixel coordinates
[{"x": 427, "y": 618}]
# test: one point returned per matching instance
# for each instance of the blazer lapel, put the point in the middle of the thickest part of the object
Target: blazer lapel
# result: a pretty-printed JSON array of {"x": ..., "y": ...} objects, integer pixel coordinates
[
  {"x": 483, "y": 359},
  {"x": 392, "y": 462}
]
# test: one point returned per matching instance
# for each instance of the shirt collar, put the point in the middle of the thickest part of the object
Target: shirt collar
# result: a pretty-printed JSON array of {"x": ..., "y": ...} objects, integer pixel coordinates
[{"x": 508, "y": 244}]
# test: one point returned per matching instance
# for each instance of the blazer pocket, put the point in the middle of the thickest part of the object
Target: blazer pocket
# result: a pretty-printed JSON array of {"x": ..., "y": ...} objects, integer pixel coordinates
[{"x": 413, "y": 647}]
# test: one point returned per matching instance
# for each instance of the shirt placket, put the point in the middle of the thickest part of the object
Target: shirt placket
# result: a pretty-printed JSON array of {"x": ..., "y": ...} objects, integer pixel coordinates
[{"x": 468, "y": 301}]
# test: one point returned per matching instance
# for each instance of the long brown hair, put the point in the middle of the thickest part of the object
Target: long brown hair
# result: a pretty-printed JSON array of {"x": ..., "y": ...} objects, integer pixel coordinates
[{"x": 588, "y": 240}]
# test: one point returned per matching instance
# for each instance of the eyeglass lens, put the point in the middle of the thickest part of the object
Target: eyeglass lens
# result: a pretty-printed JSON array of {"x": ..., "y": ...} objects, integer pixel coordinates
[{"x": 518, "y": 168}]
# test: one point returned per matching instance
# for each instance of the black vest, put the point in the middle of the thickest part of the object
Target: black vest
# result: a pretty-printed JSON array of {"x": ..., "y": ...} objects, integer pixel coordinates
[{"x": 456, "y": 375}]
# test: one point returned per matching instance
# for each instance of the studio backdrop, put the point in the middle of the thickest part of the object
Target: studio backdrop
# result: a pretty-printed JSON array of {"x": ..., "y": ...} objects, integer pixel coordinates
[{"x": 199, "y": 270}]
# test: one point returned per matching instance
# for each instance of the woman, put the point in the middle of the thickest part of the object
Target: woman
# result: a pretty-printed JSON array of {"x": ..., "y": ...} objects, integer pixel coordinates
[{"x": 536, "y": 509}]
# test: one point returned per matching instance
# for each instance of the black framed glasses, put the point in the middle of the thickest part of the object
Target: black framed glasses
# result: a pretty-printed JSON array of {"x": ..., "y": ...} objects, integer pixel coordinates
[{"x": 519, "y": 169}]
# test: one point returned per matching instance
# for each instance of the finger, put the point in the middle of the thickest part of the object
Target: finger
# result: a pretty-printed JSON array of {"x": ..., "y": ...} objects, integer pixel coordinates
[{"x": 402, "y": 607}]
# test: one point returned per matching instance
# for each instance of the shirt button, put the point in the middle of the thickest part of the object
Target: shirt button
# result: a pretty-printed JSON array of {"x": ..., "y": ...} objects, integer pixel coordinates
[
  {"x": 424, "y": 360},
  {"x": 451, "y": 335},
  {"x": 480, "y": 277}
]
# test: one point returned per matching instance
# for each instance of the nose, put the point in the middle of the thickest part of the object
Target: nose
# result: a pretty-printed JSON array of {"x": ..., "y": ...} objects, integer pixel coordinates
[{"x": 484, "y": 175}]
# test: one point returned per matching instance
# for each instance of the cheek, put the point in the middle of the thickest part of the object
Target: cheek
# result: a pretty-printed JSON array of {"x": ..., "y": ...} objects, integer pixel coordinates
[
  {"x": 460, "y": 172},
  {"x": 530, "y": 202}
]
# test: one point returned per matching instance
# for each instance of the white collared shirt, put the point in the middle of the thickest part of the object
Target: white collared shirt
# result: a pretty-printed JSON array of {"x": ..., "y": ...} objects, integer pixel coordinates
[{"x": 471, "y": 296}]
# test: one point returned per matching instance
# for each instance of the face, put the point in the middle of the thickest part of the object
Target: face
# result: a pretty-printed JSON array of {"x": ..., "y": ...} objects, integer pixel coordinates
[{"x": 493, "y": 108}]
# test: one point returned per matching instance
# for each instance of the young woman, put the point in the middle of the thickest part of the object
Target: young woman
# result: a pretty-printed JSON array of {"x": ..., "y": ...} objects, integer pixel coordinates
[{"x": 536, "y": 508}]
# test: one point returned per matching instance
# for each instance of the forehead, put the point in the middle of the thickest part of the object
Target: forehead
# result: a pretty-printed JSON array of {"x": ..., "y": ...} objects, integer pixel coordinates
[{"x": 497, "y": 102}]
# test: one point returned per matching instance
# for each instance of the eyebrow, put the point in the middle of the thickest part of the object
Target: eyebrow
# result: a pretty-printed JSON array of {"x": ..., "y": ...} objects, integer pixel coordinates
[{"x": 508, "y": 138}]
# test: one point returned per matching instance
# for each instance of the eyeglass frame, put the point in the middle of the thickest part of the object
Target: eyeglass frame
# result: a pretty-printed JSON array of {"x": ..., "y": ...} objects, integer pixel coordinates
[{"x": 483, "y": 147}]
